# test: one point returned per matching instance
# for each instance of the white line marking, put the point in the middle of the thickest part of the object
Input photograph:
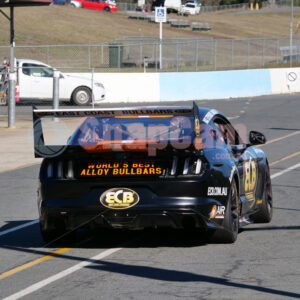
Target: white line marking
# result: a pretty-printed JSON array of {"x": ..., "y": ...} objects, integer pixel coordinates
[
  {"x": 18, "y": 227},
  {"x": 285, "y": 171},
  {"x": 62, "y": 274}
]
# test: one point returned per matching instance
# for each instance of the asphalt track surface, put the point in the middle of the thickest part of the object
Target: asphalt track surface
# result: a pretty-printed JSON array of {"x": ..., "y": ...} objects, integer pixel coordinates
[{"x": 264, "y": 263}]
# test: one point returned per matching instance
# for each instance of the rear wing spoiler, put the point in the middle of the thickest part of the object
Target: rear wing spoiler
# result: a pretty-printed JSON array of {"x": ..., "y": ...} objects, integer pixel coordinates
[{"x": 42, "y": 150}]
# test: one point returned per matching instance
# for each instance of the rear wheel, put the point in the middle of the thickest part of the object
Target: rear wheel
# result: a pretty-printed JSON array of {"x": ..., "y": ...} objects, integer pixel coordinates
[
  {"x": 264, "y": 215},
  {"x": 229, "y": 232},
  {"x": 82, "y": 96},
  {"x": 55, "y": 231},
  {"x": 106, "y": 8}
]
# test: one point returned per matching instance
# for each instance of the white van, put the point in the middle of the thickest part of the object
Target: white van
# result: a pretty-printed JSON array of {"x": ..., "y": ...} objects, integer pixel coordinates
[{"x": 173, "y": 5}]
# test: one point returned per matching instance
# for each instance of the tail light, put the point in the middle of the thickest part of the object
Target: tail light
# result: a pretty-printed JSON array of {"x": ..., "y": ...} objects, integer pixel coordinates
[
  {"x": 70, "y": 170},
  {"x": 192, "y": 166},
  {"x": 60, "y": 170},
  {"x": 50, "y": 170},
  {"x": 174, "y": 165},
  {"x": 187, "y": 166}
]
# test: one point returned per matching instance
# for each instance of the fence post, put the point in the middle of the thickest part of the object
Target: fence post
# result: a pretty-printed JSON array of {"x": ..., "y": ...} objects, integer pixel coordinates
[
  {"x": 177, "y": 57},
  {"x": 56, "y": 75},
  {"x": 277, "y": 52},
  {"x": 210, "y": 53},
  {"x": 248, "y": 54},
  {"x": 232, "y": 52},
  {"x": 47, "y": 54},
  {"x": 196, "y": 55},
  {"x": 215, "y": 54},
  {"x": 93, "y": 98},
  {"x": 155, "y": 57},
  {"x": 89, "y": 56},
  {"x": 263, "y": 53},
  {"x": 102, "y": 62},
  {"x": 141, "y": 53},
  {"x": 119, "y": 58}
]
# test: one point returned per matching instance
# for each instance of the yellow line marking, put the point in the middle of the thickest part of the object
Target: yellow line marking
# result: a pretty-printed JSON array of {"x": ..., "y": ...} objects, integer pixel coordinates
[
  {"x": 39, "y": 260},
  {"x": 13, "y": 128},
  {"x": 284, "y": 158},
  {"x": 233, "y": 118},
  {"x": 280, "y": 138},
  {"x": 32, "y": 263}
]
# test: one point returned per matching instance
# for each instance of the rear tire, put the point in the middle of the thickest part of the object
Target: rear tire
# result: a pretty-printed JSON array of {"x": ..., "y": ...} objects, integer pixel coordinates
[
  {"x": 82, "y": 96},
  {"x": 229, "y": 232},
  {"x": 264, "y": 215},
  {"x": 56, "y": 233},
  {"x": 106, "y": 8}
]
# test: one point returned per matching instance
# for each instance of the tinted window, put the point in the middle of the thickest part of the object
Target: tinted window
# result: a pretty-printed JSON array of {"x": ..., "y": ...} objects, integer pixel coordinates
[
  {"x": 154, "y": 129},
  {"x": 37, "y": 70}
]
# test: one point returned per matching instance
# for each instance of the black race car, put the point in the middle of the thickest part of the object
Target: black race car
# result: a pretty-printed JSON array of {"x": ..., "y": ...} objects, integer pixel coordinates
[{"x": 139, "y": 167}]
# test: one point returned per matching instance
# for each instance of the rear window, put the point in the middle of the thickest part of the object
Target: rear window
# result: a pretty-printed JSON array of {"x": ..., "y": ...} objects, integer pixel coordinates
[{"x": 125, "y": 129}]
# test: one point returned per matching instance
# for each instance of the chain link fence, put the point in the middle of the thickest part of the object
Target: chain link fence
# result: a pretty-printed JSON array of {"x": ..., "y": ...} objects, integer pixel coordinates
[{"x": 177, "y": 54}]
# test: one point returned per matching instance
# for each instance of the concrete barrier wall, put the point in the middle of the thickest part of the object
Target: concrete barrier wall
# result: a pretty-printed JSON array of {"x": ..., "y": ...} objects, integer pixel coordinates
[
  {"x": 284, "y": 81},
  {"x": 155, "y": 87},
  {"x": 128, "y": 87},
  {"x": 214, "y": 85}
]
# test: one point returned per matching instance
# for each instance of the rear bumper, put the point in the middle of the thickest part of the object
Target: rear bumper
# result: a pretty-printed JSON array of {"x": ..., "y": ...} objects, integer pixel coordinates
[
  {"x": 129, "y": 219},
  {"x": 152, "y": 211},
  {"x": 173, "y": 202}
]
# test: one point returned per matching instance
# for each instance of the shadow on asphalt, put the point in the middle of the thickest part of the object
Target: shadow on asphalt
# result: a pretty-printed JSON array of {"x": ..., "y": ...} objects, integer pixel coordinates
[
  {"x": 156, "y": 273},
  {"x": 30, "y": 237}
]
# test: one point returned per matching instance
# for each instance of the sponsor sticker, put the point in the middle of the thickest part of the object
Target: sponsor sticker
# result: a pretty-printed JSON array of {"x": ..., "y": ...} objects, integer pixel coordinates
[
  {"x": 217, "y": 191},
  {"x": 250, "y": 179},
  {"x": 102, "y": 169},
  {"x": 217, "y": 212},
  {"x": 119, "y": 198},
  {"x": 209, "y": 116}
]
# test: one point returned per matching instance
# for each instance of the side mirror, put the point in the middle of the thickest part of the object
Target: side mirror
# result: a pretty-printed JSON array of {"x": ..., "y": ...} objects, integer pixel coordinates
[{"x": 256, "y": 138}]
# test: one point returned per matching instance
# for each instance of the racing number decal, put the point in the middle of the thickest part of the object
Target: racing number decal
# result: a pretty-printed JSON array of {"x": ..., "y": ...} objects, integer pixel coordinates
[{"x": 250, "y": 179}]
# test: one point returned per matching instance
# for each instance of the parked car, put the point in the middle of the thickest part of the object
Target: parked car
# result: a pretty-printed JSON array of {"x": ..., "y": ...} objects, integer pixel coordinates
[
  {"x": 106, "y": 5},
  {"x": 76, "y": 4},
  {"x": 58, "y": 2},
  {"x": 171, "y": 5},
  {"x": 36, "y": 82},
  {"x": 190, "y": 8}
]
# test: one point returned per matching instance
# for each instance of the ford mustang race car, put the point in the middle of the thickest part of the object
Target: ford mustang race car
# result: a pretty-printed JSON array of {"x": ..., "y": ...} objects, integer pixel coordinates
[{"x": 139, "y": 167}]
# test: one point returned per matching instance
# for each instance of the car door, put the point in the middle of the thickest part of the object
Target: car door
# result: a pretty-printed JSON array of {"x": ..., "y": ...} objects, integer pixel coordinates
[
  {"x": 42, "y": 81},
  {"x": 25, "y": 80},
  {"x": 90, "y": 4},
  {"x": 245, "y": 161}
]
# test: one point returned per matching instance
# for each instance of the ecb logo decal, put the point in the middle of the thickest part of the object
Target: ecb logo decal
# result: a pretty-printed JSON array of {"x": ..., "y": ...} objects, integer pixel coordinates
[{"x": 119, "y": 198}]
